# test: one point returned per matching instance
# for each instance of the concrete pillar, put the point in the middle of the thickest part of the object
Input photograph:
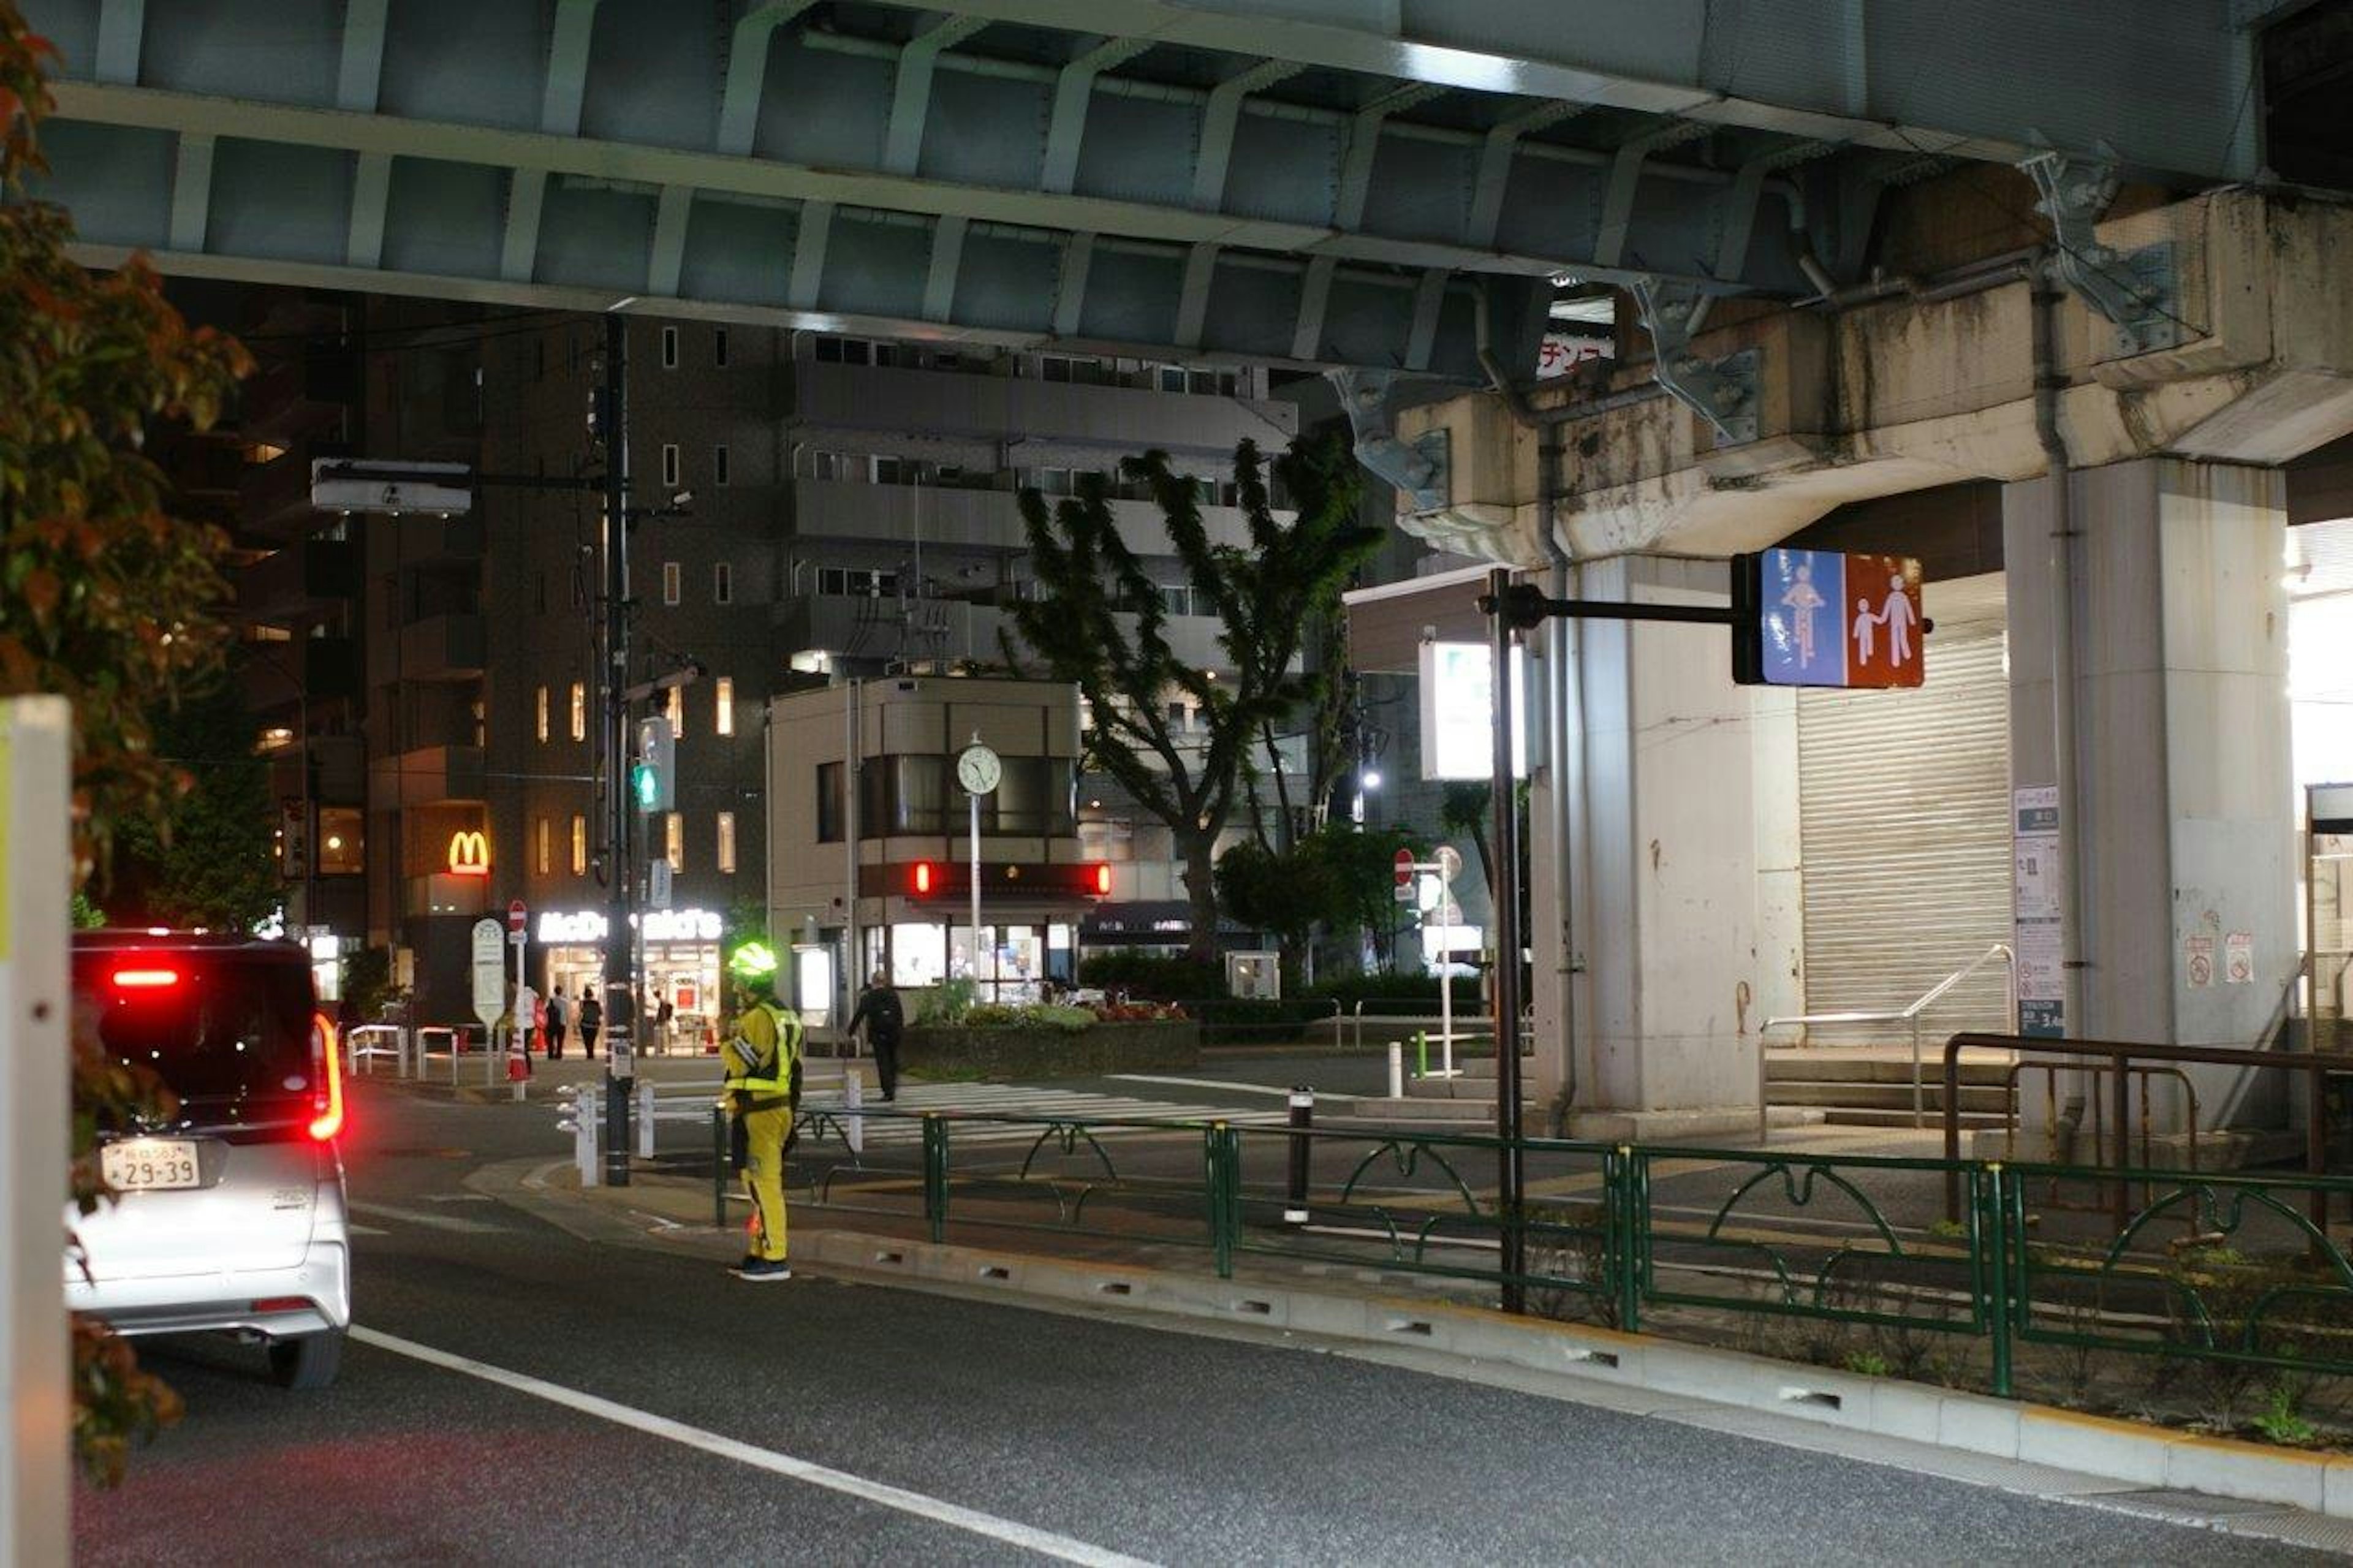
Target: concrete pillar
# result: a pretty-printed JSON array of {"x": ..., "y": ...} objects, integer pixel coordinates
[
  {"x": 1669, "y": 847},
  {"x": 2184, "y": 821}
]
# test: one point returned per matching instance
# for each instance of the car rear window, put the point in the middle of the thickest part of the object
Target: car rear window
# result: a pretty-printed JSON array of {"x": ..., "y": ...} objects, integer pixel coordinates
[{"x": 229, "y": 1034}]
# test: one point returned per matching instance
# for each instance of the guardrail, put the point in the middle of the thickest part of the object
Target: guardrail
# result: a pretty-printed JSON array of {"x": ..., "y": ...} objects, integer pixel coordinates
[
  {"x": 1908, "y": 1015},
  {"x": 2217, "y": 1270},
  {"x": 362, "y": 1043}
]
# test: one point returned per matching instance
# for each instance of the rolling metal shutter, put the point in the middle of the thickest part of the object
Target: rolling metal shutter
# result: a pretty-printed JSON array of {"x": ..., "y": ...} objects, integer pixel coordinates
[{"x": 1903, "y": 800}]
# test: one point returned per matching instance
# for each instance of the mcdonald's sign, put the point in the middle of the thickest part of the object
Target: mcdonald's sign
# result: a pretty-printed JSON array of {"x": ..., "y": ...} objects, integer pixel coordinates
[{"x": 470, "y": 854}]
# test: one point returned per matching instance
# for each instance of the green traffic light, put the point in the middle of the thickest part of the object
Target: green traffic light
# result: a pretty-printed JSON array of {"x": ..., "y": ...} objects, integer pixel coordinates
[{"x": 647, "y": 786}]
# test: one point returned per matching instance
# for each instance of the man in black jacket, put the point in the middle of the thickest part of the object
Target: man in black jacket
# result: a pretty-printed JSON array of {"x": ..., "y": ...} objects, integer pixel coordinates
[{"x": 884, "y": 1019}]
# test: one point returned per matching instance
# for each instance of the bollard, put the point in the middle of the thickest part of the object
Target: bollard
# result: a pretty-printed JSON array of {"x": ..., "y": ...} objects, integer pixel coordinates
[
  {"x": 582, "y": 1125},
  {"x": 1303, "y": 1117},
  {"x": 1396, "y": 1069},
  {"x": 853, "y": 1098},
  {"x": 719, "y": 1172},
  {"x": 644, "y": 1092}
]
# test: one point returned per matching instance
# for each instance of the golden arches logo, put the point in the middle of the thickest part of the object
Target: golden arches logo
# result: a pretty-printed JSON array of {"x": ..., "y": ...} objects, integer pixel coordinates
[{"x": 470, "y": 854}]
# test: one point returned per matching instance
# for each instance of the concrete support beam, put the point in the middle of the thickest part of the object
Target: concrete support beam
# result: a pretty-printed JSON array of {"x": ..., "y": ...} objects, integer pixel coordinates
[
  {"x": 518, "y": 252},
  {"x": 371, "y": 190},
  {"x": 1070, "y": 288},
  {"x": 1667, "y": 746},
  {"x": 911, "y": 94},
  {"x": 668, "y": 256},
  {"x": 747, "y": 72},
  {"x": 1215, "y": 154},
  {"x": 1193, "y": 303},
  {"x": 947, "y": 256},
  {"x": 1496, "y": 164},
  {"x": 809, "y": 242},
  {"x": 2184, "y": 822},
  {"x": 567, "y": 67},
  {"x": 192, "y": 190},
  {"x": 1075, "y": 88},
  {"x": 359, "y": 73},
  {"x": 1908, "y": 393},
  {"x": 121, "y": 29}
]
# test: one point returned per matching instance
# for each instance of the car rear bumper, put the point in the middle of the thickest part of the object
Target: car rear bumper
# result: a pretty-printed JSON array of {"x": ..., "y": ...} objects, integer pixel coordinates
[{"x": 262, "y": 1300}]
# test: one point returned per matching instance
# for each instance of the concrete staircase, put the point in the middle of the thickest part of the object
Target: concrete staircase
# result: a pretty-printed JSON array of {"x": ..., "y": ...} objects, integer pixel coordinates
[{"x": 1871, "y": 1086}]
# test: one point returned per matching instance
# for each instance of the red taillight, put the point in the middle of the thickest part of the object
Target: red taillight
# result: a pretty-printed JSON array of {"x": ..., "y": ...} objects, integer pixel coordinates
[
  {"x": 327, "y": 1097},
  {"x": 1099, "y": 880},
  {"x": 284, "y": 1304},
  {"x": 146, "y": 979},
  {"x": 922, "y": 877}
]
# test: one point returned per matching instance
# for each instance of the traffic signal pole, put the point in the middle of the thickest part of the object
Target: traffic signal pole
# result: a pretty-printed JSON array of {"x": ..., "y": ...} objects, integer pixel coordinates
[{"x": 614, "y": 709}]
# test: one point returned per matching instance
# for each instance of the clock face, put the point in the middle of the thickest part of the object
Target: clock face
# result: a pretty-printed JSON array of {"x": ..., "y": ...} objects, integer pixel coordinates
[{"x": 978, "y": 770}]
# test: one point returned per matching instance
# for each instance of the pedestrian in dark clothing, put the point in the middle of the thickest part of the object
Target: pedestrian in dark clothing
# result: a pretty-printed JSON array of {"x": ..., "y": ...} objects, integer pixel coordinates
[
  {"x": 559, "y": 1017},
  {"x": 884, "y": 1019},
  {"x": 592, "y": 1018}
]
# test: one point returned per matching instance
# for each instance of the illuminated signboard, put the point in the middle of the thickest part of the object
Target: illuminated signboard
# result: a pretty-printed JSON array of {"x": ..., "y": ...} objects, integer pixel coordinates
[
  {"x": 583, "y": 928},
  {"x": 470, "y": 854},
  {"x": 1458, "y": 711}
]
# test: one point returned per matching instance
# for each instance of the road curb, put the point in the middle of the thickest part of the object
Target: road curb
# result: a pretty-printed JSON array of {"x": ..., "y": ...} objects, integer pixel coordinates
[{"x": 2131, "y": 1454}]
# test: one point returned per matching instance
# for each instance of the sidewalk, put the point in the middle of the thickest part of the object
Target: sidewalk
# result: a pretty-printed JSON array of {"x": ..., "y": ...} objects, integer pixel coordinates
[{"x": 1440, "y": 1326}]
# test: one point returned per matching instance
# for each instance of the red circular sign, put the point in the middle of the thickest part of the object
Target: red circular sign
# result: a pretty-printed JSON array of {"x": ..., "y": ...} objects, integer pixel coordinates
[
  {"x": 1403, "y": 862},
  {"x": 516, "y": 915}
]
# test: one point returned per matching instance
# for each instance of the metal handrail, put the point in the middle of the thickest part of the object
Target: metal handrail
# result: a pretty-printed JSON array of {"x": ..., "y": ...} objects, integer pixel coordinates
[{"x": 1911, "y": 1015}]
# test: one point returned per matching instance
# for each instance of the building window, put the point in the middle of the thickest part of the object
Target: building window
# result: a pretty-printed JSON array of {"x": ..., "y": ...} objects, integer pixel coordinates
[
  {"x": 542, "y": 713},
  {"x": 723, "y": 721},
  {"x": 719, "y": 347},
  {"x": 674, "y": 841},
  {"x": 828, "y": 803},
  {"x": 579, "y": 712},
  {"x": 674, "y": 709},
  {"x": 546, "y": 835},
  {"x": 1171, "y": 378},
  {"x": 579, "y": 845},
  {"x": 723, "y": 584},
  {"x": 718, "y": 465},
  {"x": 856, "y": 583},
  {"x": 727, "y": 841},
  {"x": 671, "y": 577},
  {"x": 669, "y": 348},
  {"x": 670, "y": 463},
  {"x": 1054, "y": 481},
  {"x": 890, "y": 471}
]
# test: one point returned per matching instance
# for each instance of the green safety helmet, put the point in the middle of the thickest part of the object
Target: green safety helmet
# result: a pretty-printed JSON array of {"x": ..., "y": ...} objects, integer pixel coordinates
[{"x": 754, "y": 963}]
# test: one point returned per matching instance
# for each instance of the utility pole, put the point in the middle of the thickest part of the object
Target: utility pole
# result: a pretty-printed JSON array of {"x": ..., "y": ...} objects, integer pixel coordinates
[
  {"x": 1506, "y": 895},
  {"x": 614, "y": 708}
]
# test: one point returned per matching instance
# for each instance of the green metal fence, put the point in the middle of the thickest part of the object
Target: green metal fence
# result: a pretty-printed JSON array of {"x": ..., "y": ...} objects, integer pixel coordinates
[{"x": 2208, "y": 1267}]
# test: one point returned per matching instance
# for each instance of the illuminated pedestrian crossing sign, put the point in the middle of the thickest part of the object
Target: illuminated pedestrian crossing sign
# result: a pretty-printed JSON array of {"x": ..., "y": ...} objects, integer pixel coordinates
[{"x": 1827, "y": 618}]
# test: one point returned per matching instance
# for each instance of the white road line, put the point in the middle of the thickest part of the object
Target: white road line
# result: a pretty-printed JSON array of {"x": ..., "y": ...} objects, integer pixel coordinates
[
  {"x": 1212, "y": 1083},
  {"x": 1045, "y": 1542},
  {"x": 437, "y": 1221}
]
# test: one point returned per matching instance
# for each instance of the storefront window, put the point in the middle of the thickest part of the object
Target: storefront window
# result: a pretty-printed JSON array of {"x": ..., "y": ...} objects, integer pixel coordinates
[{"x": 919, "y": 954}]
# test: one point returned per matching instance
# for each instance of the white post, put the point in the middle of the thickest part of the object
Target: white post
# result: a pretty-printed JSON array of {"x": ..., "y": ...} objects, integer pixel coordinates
[
  {"x": 1396, "y": 1069},
  {"x": 853, "y": 1096},
  {"x": 35, "y": 883},
  {"x": 1446, "y": 998},
  {"x": 645, "y": 1118},
  {"x": 975, "y": 899}
]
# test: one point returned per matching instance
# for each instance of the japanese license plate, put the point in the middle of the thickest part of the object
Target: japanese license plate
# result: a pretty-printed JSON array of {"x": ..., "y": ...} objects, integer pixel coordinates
[{"x": 150, "y": 1165}]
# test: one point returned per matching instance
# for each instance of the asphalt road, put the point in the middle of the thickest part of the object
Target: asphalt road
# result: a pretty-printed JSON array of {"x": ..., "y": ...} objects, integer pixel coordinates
[{"x": 524, "y": 1396}]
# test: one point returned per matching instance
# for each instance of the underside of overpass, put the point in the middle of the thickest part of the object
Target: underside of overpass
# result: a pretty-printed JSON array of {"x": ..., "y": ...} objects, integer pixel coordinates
[{"x": 1368, "y": 185}]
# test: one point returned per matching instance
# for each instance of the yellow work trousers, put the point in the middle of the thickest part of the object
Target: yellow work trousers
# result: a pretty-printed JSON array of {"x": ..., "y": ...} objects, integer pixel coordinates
[{"x": 764, "y": 1130}]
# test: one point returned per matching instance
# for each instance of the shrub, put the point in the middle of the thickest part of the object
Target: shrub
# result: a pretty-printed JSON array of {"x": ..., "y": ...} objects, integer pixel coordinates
[{"x": 1160, "y": 978}]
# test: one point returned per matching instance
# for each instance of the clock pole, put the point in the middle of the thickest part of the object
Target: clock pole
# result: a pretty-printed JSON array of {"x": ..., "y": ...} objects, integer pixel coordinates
[{"x": 973, "y": 795}]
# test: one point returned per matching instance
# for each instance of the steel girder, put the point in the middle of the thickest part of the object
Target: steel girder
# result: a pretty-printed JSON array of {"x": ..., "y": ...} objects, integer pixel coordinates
[{"x": 1191, "y": 180}]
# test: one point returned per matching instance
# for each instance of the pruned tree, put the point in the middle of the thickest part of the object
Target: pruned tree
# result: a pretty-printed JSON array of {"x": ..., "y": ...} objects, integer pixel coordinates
[
  {"x": 208, "y": 861},
  {"x": 1100, "y": 624},
  {"x": 105, "y": 598}
]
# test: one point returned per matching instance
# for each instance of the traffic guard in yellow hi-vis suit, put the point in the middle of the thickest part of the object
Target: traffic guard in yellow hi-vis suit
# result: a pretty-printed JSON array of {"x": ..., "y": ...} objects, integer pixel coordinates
[{"x": 763, "y": 1063}]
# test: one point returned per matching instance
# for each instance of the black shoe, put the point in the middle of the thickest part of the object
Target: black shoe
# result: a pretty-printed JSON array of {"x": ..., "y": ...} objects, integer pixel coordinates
[{"x": 759, "y": 1268}]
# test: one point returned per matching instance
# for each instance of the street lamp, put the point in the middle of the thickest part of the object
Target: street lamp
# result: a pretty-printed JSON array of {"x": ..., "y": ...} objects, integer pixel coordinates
[{"x": 310, "y": 809}]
